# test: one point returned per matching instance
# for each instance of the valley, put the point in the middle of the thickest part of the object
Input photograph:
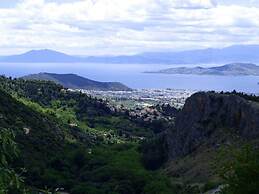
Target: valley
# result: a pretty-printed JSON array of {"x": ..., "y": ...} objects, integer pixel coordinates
[
  {"x": 141, "y": 98},
  {"x": 129, "y": 97},
  {"x": 73, "y": 142},
  {"x": 77, "y": 142}
]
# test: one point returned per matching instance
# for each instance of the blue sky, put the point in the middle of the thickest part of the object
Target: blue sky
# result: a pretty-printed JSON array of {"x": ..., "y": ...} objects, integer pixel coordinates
[{"x": 113, "y": 27}]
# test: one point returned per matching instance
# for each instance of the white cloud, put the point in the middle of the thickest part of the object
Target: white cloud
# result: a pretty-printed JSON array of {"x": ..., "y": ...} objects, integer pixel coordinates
[
  {"x": 196, "y": 4},
  {"x": 125, "y": 26}
]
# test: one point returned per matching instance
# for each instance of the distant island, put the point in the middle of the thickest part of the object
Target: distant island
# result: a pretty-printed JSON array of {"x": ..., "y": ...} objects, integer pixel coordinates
[
  {"x": 233, "y": 69},
  {"x": 74, "y": 81},
  {"x": 235, "y": 53}
]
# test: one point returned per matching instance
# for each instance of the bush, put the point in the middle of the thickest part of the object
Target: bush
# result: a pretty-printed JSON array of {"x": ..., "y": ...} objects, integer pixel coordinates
[
  {"x": 154, "y": 152},
  {"x": 158, "y": 187},
  {"x": 10, "y": 181},
  {"x": 241, "y": 172},
  {"x": 85, "y": 189}
]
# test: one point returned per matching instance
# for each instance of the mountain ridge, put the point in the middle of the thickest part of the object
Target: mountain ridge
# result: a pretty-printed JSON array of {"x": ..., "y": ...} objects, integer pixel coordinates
[
  {"x": 208, "y": 123},
  {"x": 74, "y": 81},
  {"x": 232, "y": 69},
  {"x": 235, "y": 53},
  {"x": 44, "y": 55},
  {"x": 206, "y": 113}
]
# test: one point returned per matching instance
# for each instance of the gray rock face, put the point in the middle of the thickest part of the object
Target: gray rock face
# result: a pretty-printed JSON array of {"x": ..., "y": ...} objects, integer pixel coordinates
[{"x": 206, "y": 113}]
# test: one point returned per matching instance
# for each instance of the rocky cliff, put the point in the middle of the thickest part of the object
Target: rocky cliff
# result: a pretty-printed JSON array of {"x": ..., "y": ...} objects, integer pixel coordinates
[{"x": 207, "y": 114}]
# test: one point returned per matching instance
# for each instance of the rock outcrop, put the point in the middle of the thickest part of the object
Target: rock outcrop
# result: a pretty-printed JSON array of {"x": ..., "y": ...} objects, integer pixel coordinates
[{"x": 205, "y": 114}]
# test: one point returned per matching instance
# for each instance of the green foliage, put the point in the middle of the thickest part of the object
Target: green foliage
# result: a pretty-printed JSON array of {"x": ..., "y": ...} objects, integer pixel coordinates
[
  {"x": 9, "y": 179},
  {"x": 241, "y": 170},
  {"x": 210, "y": 185},
  {"x": 158, "y": 187},
  {"x": 86, "y": 189},
  {"x": 120, "y": 168},
  {"x": 154, "y": 152},
  {"x": 105, "y": 169},
  {"x": 250, "y": 97},
  {"x": 72, "y": 141},
  {"x": 72, "y": 107}
]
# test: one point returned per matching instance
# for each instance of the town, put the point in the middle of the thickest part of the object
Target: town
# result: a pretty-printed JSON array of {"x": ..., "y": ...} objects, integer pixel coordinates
[{"x": 141, "y": 98}]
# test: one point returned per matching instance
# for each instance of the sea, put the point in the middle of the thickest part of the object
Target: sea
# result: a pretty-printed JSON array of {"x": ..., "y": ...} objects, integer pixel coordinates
[{"x": 133, "y": 76}]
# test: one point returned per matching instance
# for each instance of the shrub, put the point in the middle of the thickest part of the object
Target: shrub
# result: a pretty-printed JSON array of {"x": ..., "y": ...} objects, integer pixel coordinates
[
  {"x": 241, "y": 172},
  {"x": 9, "y": 179}
]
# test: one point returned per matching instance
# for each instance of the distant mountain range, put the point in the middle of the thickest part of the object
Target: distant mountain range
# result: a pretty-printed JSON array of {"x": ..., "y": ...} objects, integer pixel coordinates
[
  {"x": 40, "y": 56},
  {"x": 73, "y": 81},
  {"x": 237, "y": 53},
  {"x": 229, "y": 69}
]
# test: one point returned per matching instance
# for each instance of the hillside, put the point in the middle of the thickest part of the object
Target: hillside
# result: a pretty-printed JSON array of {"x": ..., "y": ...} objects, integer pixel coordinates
[
  {"x": 232, "y": 69},
  {"x": 235, "y": 53},
  {"x": 72, "y": 141},
  {"x": 205, "y": 113},
  {"x": 209, "y": 123},
  {"x": 73, "y": 81},
  {"x": 208, "y": 133}
]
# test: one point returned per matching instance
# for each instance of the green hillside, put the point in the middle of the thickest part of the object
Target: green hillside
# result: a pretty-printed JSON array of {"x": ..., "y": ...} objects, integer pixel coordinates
[
  {"x": 71, "y": 141},
  {"x": 53, "y": 140}
]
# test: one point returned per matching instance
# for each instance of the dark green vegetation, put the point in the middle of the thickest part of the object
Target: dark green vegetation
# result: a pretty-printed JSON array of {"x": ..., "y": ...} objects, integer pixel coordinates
[
  {"x": 10, "y": 181},
  {"x": 249, "y": 97},
  {"x": 77, "y": 82},
  {"x": 241, "y": 171},
  {"x": 70, "y": 141}
]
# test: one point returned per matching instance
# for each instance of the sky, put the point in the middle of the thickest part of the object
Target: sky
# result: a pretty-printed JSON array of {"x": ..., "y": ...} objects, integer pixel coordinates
[{"x": 125, "y": 27}]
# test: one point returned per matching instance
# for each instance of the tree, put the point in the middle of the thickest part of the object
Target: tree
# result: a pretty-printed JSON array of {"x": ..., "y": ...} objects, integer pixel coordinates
[
  {"x": 9, "y": 179},
  {"x": 241, "y": 171}
]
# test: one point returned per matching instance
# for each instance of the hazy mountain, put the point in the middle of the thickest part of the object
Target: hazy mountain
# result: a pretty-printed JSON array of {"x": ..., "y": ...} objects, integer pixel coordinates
[
  {"x": 40, "y": 56},
  {"x": 77, "y": 82},
  {"x": 237, "y": 53},
  {"x": 229, "y": 69}
]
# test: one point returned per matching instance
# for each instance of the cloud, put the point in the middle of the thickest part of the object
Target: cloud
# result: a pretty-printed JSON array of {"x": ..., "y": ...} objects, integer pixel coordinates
[
  {"x": 193, "y": 4},
  {"x": 125, "y": 26}
]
